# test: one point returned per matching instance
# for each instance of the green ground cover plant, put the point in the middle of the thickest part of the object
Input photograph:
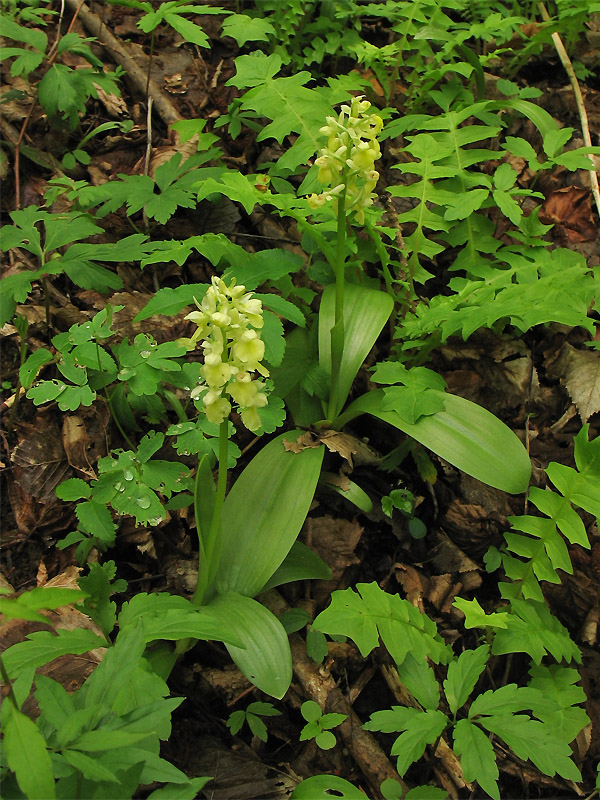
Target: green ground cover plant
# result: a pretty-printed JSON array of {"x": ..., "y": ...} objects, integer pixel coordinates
[{"x": 281, "y": 347}]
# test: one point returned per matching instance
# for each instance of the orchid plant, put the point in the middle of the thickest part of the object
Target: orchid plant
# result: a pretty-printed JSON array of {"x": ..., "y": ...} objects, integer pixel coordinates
[{"x": 247, "y": 538}]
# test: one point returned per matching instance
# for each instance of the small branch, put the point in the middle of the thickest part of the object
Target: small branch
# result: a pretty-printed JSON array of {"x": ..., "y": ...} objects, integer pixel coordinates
[
  {"x": 585, "y": 127},
  {"x": 136, "y": 76},
  {"x": 319, "y": 685}
]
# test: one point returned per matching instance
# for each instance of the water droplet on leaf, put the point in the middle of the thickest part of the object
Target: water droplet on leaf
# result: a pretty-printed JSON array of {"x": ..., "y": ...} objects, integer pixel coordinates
[
  {"x": 143, "y": 502},
  {"x": 145, "y": 353},
  {"x": 128, "y": 475}
]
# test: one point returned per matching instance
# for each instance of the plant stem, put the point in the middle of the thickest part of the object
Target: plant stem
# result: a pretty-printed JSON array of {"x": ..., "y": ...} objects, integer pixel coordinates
[
  {"x": 175, "y": 404},
  {"x": 210, "y": 547},
  {"x": 337, "y": 332}
]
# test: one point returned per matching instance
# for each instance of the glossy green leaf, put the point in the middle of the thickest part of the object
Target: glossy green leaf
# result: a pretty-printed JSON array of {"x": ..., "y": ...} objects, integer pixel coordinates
[
  {"x": 319, "y": 787},
  {"x": 300, "y": 564},
  {"x": 464, "y": 434},
  {"x": 263, "y": 514},
  {"x": 265, "y": 659},
  {"x": 351, "y": 492},
  {"x": 365, "y": 313}
]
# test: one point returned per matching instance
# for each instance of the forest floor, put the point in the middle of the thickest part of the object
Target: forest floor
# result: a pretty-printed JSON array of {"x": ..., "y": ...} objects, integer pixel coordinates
[{"x": 532, "y": 382}]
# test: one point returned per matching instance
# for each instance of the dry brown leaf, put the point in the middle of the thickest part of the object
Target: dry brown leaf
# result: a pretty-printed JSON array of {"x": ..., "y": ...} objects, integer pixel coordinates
[
  {"x": 447, "y": 557},
  {"x": 414, "y": 583},
  {"x": 71, "y": 671},
  {"x": 341, "y": 443},
  {"x": 39, "y": 461},
  {"x": 580, "y": 370},
  {"x": 335, "y": 541},
  {"x": 306, "y": 441},
  {"x": 570, "y": 210}
]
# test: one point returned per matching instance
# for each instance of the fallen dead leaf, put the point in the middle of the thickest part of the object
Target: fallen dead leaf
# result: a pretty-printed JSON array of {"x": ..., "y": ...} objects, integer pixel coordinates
[
  {"x": 306, "y": 441},
  {"x": 335, "y": 541},
  {"x": 570, "y": 210},
  {"x": 414, "y": 583},
  {"x": 71, "y": 671},
  {"x": 579, "y": 370},
  {"x": 39, "y": 460},
  {"x": 342, "y": 443}
]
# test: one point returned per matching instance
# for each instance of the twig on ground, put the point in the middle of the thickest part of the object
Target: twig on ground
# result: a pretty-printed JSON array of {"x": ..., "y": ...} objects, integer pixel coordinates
[
  {"x": 319, "y": 685},
  {"x": 585, "y": 126},
  {"x": 134, "y": 74}
]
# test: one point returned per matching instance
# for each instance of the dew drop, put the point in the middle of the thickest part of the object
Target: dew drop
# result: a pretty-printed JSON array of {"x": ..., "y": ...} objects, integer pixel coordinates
[
  {"x": 143, "y": 502},
  {"x": 128, "y": 475},
  {"x": 145, "y": 353},
  {"x": 187, "y": 388},
  {"x": 155, "y": 521},
  {"x": 118, "y": 486}
]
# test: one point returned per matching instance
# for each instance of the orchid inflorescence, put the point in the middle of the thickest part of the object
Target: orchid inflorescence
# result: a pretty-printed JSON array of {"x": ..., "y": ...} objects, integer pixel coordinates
[
  {"x": 229, "y": 321},
  {"x": 348, "y": 160}
]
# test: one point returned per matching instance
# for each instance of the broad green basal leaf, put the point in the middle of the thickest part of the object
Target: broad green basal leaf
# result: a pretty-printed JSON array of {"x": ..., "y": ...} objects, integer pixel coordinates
[
  {"x": 263, "y": 514},
  {"x": 365, "y": 313},
  {"x": 300, "y": 564},
  {"x": 265, "y": 659},
  {"x": 464, "y": 434}
]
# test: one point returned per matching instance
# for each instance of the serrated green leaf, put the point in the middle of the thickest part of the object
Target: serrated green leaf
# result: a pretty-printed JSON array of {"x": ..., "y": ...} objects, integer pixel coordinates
[
  {"x": 26, "y": 754},
  {"x": 235, "y": 721},
  {"x": 531, "y": 628},
  {"x": 29, "y": 370},
  {"x": 89, "y": 767},
  {"x": 62, "y": 91},
  {"x": 243, "y": 29},
  {"x": 282, "y": 307},
  {"x": 463, "y": 674},
  {"x": 190, "y": 32},
  {"x": 73, "y": 489},
  {"x": 43, "y": 646},
  {"x": 475, "y": 616},
  {"x": 477, "y": 757},
  {"x": 257, "y": 726},
  {"x": 420, "y": 680},
  {"x": 533, "y": 740},
  {"x": 95, "y": 519},
  {"x": 42, "y": 597},
  {"x": 422, "y": 729},
  {"x": 376, "y": 613}
]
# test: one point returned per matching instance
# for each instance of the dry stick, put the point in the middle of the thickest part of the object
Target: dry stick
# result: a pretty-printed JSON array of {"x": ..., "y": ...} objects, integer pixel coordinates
[
  {"x": 134, "y": 74},
  {"x": 320, "y": 686},
  {"x": 585, "y": 127}
]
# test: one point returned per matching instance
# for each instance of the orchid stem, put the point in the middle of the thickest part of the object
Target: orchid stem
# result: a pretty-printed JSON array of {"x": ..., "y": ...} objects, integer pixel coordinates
[
  {"x": 337, "y": 332},
  {"x": 210, "y": 547}
]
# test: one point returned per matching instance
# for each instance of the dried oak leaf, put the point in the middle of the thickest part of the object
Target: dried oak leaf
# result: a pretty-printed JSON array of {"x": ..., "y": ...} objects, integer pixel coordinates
[{"x": 570, "y": 209}]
